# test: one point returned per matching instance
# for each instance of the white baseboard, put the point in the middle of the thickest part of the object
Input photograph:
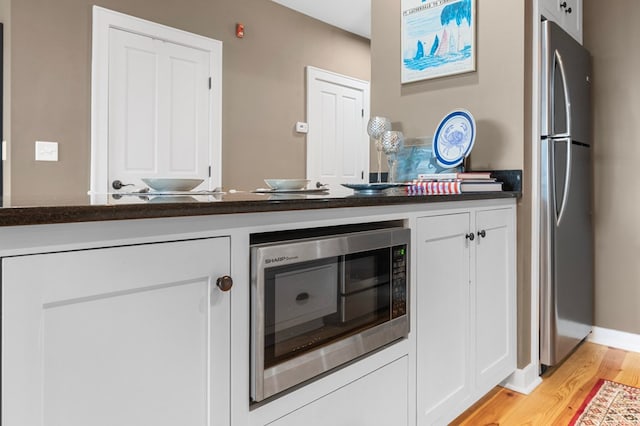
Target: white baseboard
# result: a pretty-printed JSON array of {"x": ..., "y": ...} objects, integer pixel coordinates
[
  {"x": 616, "y": 339},
  {"x": 523, "y": 380}
]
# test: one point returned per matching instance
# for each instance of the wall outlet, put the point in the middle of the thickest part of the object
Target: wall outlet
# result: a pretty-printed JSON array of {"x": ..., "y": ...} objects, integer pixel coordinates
[
  {"x": 302, "y": 127},
  {"x": 46, "y": 151}
]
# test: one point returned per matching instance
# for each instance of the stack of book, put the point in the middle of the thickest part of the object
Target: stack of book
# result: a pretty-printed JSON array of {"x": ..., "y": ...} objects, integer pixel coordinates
[{"x": 453, "y": 183}]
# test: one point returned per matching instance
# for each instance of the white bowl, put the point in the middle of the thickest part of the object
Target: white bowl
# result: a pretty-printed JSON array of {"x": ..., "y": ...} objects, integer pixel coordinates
[
  {"x": 172, "y": 184},
  {"x": 287, "y": 183}
]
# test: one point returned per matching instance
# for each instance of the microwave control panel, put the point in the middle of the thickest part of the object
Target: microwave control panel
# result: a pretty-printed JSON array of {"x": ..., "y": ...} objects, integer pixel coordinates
[{"x": 399, "y": 281}]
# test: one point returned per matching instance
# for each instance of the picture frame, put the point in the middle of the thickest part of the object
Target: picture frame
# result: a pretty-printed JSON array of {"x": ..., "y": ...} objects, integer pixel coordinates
[{"x": 438, "y": 38}]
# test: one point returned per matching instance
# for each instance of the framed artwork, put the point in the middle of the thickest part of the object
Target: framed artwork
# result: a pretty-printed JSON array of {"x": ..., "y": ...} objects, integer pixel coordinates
[{"x": 438, "y": 38}]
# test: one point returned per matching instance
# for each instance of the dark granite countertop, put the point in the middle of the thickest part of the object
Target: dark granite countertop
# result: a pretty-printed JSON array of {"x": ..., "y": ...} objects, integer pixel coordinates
[{"x": 17, "y": 212}]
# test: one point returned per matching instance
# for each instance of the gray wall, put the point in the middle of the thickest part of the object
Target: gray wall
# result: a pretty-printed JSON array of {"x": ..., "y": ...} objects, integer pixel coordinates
[
  {"x": 263, "y": 84},
  {"x": 611, "y": 33},
  {"x": 497, "y": 95}
]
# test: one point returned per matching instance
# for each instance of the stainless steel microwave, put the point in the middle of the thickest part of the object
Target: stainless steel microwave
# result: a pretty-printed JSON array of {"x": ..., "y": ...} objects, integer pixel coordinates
[{"x": 320, "y": 302}]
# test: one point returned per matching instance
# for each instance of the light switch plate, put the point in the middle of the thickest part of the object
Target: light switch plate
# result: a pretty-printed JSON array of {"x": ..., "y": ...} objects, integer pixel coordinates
[{"x": 46, "y": 151}]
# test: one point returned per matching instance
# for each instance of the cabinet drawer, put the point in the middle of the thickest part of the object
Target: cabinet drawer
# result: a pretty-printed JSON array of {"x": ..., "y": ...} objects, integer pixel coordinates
[{"x": 377, "y": 399}]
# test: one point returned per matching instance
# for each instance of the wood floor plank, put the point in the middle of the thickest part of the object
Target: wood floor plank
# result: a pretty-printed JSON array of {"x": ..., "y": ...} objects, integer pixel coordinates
[
  {"x": 630, "y": 373},
  {"x": 487, "y": 413},
  {"x": 561, "y": 393}
]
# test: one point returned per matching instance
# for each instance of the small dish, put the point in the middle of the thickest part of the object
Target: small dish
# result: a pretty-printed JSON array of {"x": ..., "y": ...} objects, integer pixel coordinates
[
  {"x": 372, "y": 188},
  {"x": 291, "y": 191},
  {"x": 172, "y": 184},
  {"x": 287, "y": 184},
  {"x": 454, "y": 138}
]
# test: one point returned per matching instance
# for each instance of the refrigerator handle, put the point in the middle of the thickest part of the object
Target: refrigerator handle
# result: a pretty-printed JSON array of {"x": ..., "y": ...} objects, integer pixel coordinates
[
  {"x": 557, "y": 57},
  {"x": 567, "y": 181}
]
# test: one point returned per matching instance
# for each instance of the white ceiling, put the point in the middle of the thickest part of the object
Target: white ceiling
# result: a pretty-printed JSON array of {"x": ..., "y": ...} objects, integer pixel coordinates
[{"x": 350, "y": 15}]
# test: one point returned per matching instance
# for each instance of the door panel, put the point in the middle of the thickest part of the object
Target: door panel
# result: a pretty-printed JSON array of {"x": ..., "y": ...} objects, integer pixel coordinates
[
  {"x": 351, "y": 131},
  {"x": 494, "y": 298},
  {"x": 444, "y": 379},
  {"x": 158, "y": 109},
  {"x": 573, "y": 258},
  {"x": 117, "y": 336},
  {"x": 337, "y": 143},
  {"x": 329, "y": 134},
  {"x": 188, "y": 131},
  {"x": 143, "y": 356},
  {"x": 377, "y": 399},
  {"x": 133, "y": 105},
  {"x": 340, "y": 131}
]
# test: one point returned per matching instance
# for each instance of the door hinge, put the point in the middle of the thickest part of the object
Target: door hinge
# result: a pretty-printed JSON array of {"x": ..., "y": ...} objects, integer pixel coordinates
[
  {"x": 362, "y": 175},
  {"x": 210, "y": 83},
  {"x": 362, "y": 112},
  {"x": 209, "y": 171}
]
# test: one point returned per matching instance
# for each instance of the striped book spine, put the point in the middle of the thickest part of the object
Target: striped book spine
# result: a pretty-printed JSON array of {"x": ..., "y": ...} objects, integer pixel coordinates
[{"x": 433, "y": 188}]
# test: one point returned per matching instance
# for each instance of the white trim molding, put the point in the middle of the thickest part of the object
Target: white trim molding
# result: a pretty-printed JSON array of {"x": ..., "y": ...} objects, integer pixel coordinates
[
  {"x": 536, "y": 112},
  {"x": 523, "y": 380},
  {"x": 616, "y": 339}
]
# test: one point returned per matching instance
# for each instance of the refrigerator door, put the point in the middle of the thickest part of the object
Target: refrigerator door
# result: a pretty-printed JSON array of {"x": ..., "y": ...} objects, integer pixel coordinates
[
  {"x": 567, "y": 279},
  {"x": 566, "y": 86}
]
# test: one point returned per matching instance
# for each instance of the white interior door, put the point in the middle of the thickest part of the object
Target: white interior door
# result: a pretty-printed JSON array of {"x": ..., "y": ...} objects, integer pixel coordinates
[
  {"x": 156, "y": 103},
  {"x": 158, "y": 109},
  {"x": 337, "y": 142}
]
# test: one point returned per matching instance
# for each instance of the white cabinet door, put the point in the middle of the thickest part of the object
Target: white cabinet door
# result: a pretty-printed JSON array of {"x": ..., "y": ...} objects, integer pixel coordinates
[
  {"x": 443, "y": 317},
  {"x": 566, "y": 13},
  {"x": 495, "y": 298},
  {"x": 377, "y": 399},
  {"x": 466, "y": 309},
  {"x": 128, "y": 336}
]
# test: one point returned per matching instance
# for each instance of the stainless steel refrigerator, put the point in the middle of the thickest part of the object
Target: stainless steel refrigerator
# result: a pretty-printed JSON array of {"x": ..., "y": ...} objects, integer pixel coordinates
[{"x": 566, "y": 286}]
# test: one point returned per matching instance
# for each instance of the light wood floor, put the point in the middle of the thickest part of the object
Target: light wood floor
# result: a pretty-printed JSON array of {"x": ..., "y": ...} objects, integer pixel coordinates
[{"x": 555, "y": 401}]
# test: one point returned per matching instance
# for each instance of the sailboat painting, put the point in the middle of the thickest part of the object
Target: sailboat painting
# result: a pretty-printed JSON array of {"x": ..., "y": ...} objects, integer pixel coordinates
[{"x": 438, "y": 38}]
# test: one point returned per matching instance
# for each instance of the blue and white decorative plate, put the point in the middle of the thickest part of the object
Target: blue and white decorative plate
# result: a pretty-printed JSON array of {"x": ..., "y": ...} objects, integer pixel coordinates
[{"x": 454, "y": 138}]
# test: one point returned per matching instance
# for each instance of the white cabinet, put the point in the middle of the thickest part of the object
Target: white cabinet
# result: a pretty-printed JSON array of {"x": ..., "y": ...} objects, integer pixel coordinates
[
  {"x": 127, "y": 335},
  {"x": 466, "y": 318},
  {"x": 495, "y": 297},
  {"x": 566, "y": 13},
  {"x": 443, "y": 316},
  {"x": 377, "y": 399}
]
